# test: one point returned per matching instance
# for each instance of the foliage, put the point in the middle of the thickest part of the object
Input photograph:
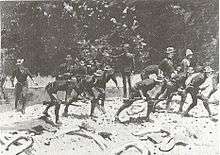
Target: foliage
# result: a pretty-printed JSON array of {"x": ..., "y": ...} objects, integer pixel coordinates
[{"x": 44, "y": 32}]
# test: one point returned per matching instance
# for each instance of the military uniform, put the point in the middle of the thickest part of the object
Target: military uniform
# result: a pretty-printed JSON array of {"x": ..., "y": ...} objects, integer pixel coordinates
[
  {"x": 193, "y": 88},
  {"x": 126, "y": 67},
  {"x": 21, "y": 86},
  {"x": 94, "y": 88},
  {"x": 61, "y": 85},
  {"x": 65, "y": 71},
  {"x": 167, "y": 67},
  {"x": 144, "y": 86},
  {"x": 151, "y": 69}
]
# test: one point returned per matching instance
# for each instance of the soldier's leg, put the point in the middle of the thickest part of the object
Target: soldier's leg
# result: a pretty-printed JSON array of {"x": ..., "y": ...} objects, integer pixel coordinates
[
  {"x": 113, "y": 77},
  {"x": 24, "y": 98},
  {"x": 124, "y": 84},
  {"x": 126, "y": 104},
  {"x": 193, "y": 91},
  {"x": 18, "y": 91},
  {"x": 169, "y": 94},
  {"x": 52, "y": 103},
  {"x": 150, "y": 105},
  {"x": 68, "y": 101},
  {"x": 94, "y": 101},
  {"x": 57, "y": 109},
  {"x": 162, "y": 90},
  {"x": 93, "y": 105},
  {"x": 2, "y": 87},
  {"x": 205, "y": 103},
  {"x": 183, "y": 99},
  {"x": 129, "y": 82}
]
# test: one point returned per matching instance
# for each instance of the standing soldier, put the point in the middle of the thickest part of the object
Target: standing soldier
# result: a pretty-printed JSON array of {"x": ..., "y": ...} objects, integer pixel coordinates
[
  {"x": 125, "y": 63},
  {"x": 186, "y": 62},
  {"x": 166, "y": 66},
  {"x": 21, "y": 73}
]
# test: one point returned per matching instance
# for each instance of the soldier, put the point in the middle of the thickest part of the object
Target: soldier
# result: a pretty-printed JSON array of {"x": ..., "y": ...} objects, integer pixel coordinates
[
  {"x": 186, "y": 62},
  {"x": 2, "y": 82},
  {"x": 151, "y": 69},
  {"x": 93, "y": 87},
  {"x": 166, "y": 66},
  {"x": 21, "y": 73},
  {"x": 61, "y": 85},
  {"x": 125, "y": 64},
  {"x": 195, "y": 87},
  {"x": 141, "y": 90},
  {"x": 126, "y": 67}
]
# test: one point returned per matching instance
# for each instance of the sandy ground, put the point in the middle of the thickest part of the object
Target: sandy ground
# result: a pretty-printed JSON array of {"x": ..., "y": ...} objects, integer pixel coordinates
[{"x": 199, "y": 133}]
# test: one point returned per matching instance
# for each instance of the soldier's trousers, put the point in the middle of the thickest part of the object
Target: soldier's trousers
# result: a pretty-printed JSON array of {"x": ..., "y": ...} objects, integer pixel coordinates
[{"x": 21, "y": 94}]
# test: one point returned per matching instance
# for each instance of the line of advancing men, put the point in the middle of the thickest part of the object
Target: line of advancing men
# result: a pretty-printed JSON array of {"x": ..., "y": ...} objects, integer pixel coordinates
[{"x": 89, "y": 80}]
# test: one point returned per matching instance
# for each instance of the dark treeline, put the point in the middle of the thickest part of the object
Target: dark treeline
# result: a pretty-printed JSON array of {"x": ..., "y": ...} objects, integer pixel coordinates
[{"x": 44, "y": 32}]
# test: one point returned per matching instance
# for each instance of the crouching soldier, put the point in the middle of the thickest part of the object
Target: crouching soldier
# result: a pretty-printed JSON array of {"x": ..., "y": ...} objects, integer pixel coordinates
[
  {"x": 195, "y": 87},
  {"x": 141, "y": 90},
  {"x": 52, "y": 89},
  {"x": 93, "y": 88}
]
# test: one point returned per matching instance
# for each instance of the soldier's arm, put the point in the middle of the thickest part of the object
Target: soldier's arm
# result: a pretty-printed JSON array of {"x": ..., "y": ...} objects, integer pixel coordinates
[{"x": 12, "y": 78}]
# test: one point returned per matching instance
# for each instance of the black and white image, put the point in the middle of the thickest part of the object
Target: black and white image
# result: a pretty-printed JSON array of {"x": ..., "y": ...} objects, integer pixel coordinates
[{"x": 109, "y": 77}]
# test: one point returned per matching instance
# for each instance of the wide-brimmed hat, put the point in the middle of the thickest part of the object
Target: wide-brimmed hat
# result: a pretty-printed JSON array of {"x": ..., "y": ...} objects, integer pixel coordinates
[
  {"x": 19, "y": 61},
  {"x": 208, "y": 69},
  {"x": 68, "y": 57},
  {"x": 170, "y": 50},
  {"x": 189, "y": 52},
  {"x": 190, "y": 70},
  {"x": 98, "y": 73}
]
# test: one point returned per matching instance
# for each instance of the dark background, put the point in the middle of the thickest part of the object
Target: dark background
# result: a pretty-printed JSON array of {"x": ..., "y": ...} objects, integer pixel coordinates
[{"x": 44, "y": 32}]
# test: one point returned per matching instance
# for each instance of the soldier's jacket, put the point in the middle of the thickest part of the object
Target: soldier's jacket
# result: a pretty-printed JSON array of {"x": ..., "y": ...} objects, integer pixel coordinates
[
  {"x": 62, "y": 70},
  {"x": 144, "y": 85},
  {"x": 197, "y": 80},
  {"x": 21, "y": 75},
  {"x": 179, "y": 80},
  {"x": 151, "y": 69},
  {"x": 64, "y": 85},
  {"x": 166, "y": 66},
  {"x": 93, "y": 87}
]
